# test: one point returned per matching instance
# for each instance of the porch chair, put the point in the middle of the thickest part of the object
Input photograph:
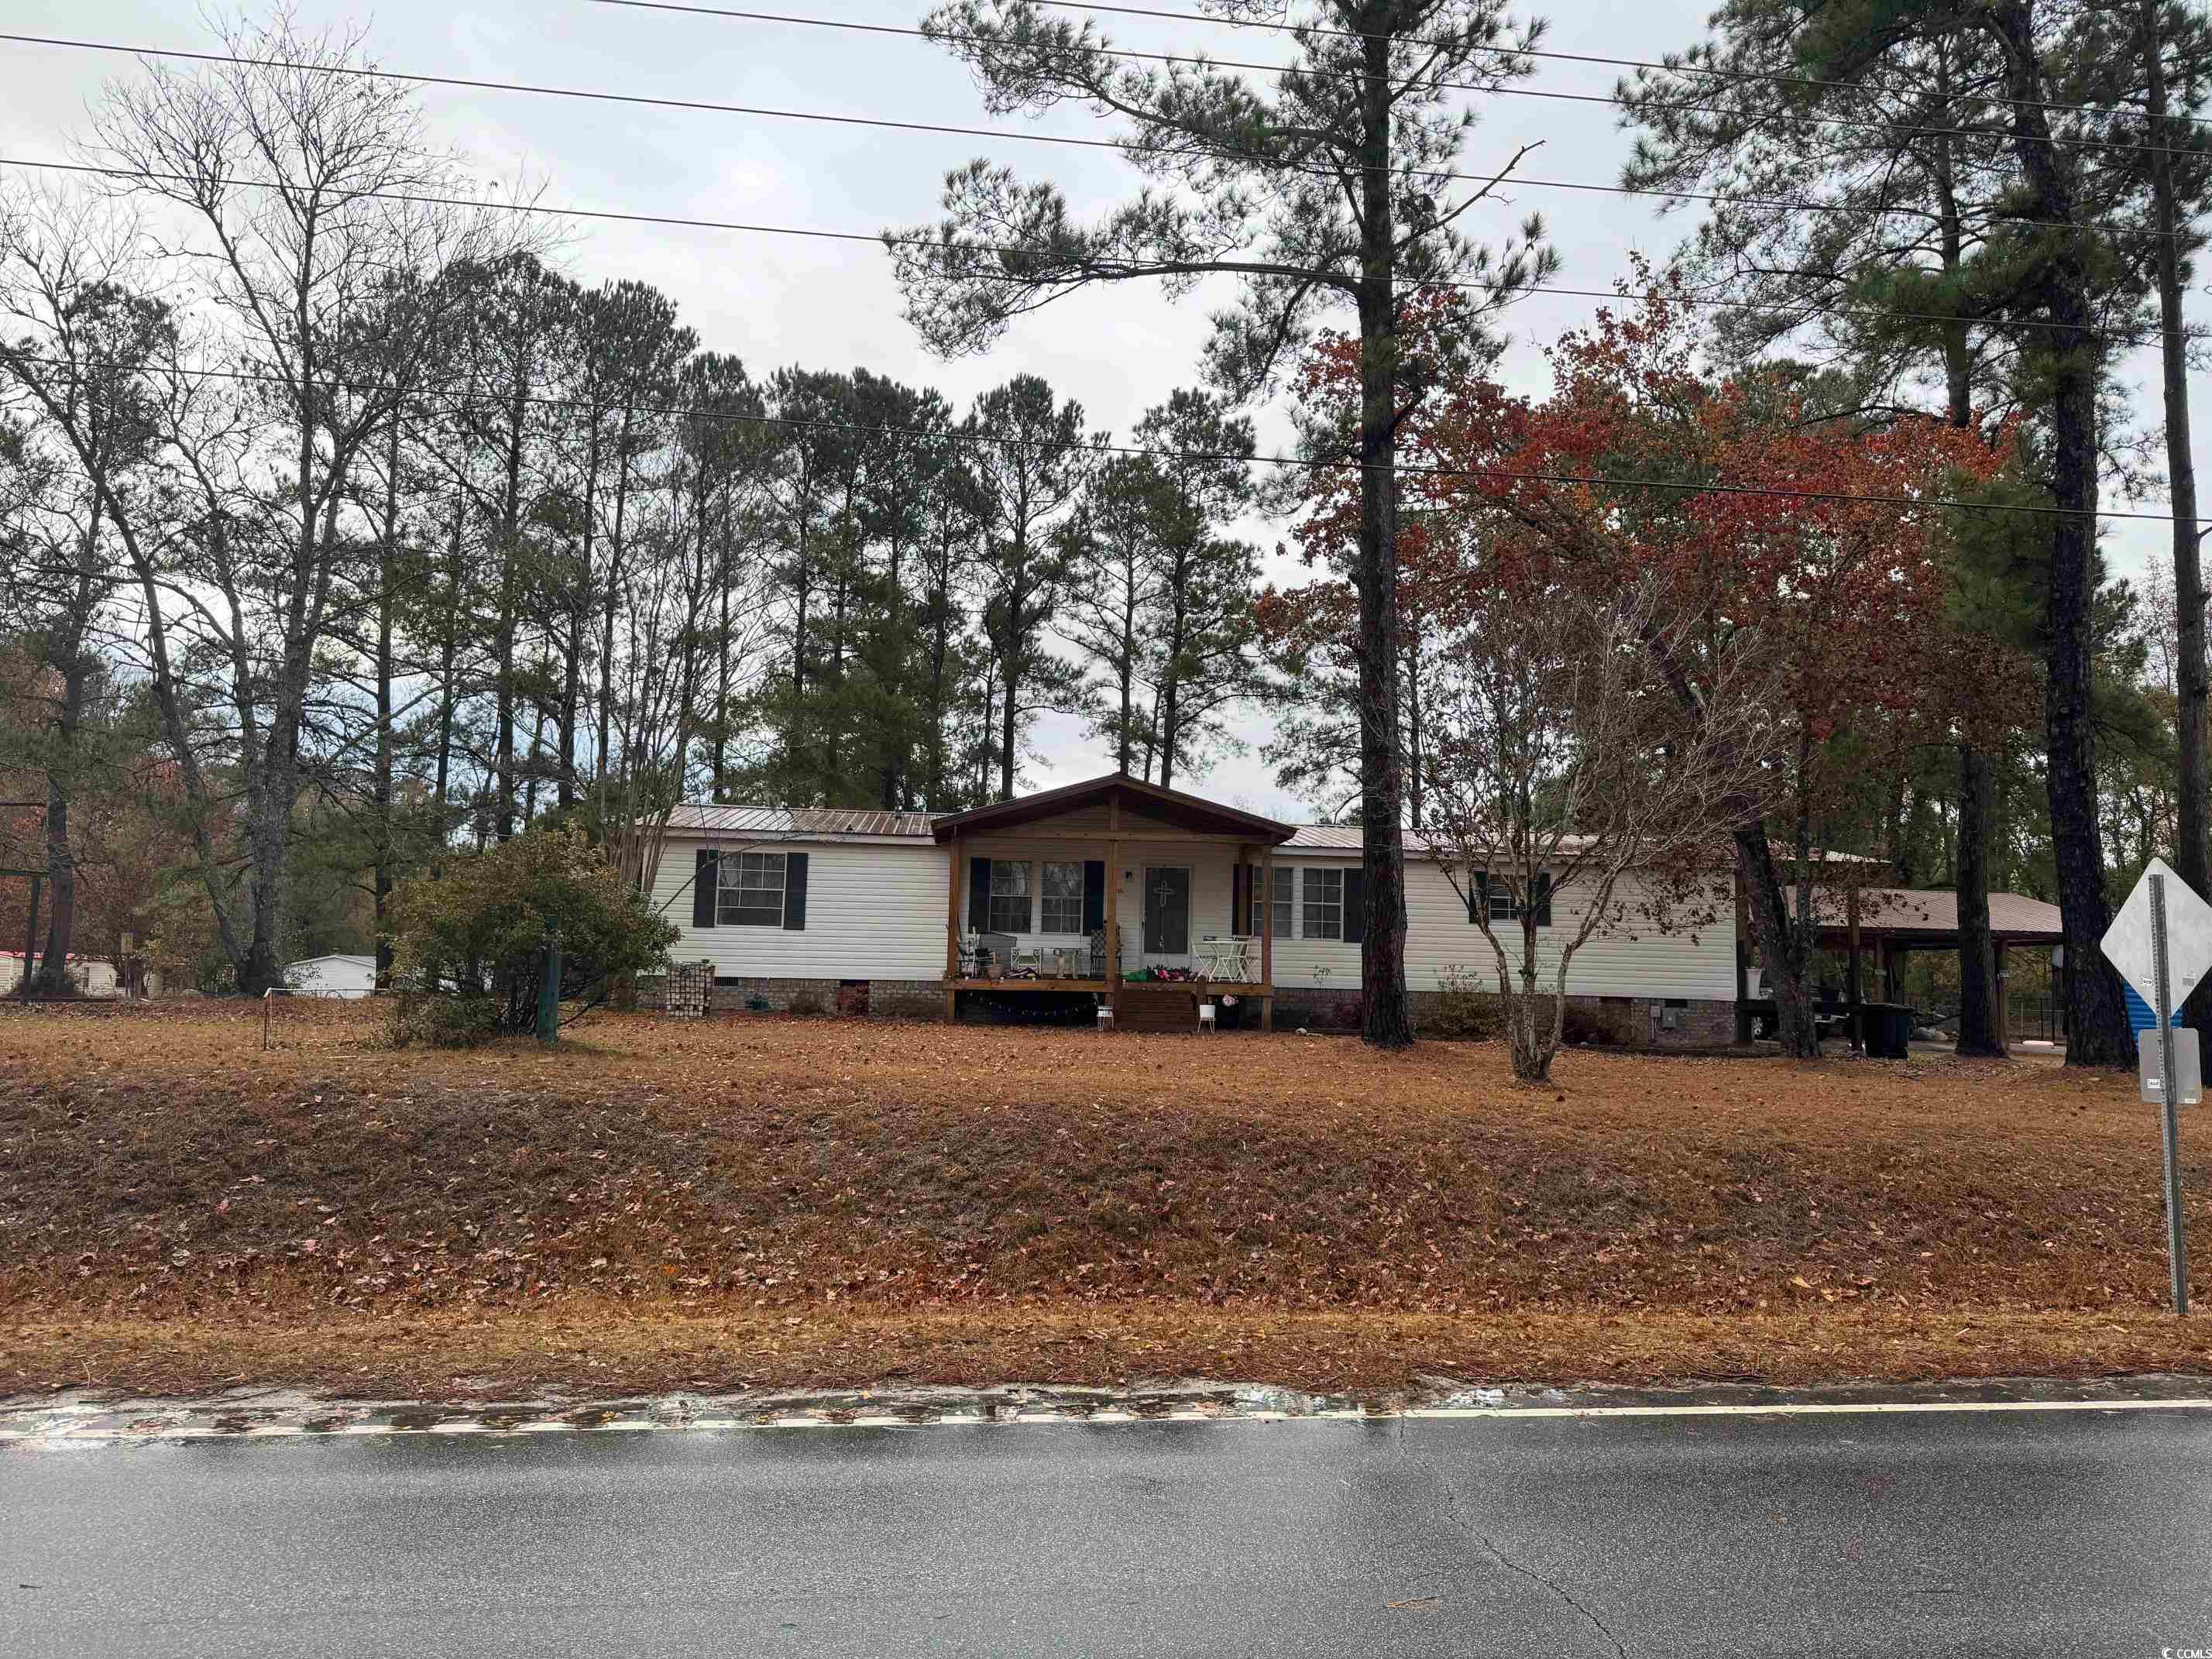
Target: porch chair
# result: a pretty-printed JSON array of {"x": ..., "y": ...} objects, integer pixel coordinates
[{"x": 1098, "y": 953}]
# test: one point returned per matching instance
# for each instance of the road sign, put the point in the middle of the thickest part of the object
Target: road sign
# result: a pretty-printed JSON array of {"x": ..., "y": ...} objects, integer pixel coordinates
[
  {"x": 2127, "y": 945},
  {"x": 2162, "y": 943}
]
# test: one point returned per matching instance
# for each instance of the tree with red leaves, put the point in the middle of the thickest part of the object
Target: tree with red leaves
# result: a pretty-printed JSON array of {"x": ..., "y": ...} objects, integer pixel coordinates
[
  {"x": 1807, "y": 549},
  {"x": 1813, "y": 543}
]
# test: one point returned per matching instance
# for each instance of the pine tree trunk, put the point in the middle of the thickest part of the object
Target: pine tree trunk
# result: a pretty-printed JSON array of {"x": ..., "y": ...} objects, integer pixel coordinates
[
  {"x": 1977, "y": 965},
  {"x": 382, "y": 872},
  {"x": 2097, "y": 1020},
  {"x": 1386, "y": 1019},
  {"x": 2189, "y": 806},
  {"x": 53, "y": 979}
]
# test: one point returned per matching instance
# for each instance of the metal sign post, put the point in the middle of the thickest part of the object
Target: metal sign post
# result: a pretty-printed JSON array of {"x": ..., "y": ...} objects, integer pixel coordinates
[
  {"x": 2176, "y": 1243},
  {"x": 2160, "y": 940}
]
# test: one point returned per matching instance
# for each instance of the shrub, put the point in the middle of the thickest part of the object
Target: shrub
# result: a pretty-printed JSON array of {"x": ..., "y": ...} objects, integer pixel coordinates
[
  {"x": 807, "y": 1001},
  {"x": 1464, "y": 1008},
  {"x": 468, "y": 943}
]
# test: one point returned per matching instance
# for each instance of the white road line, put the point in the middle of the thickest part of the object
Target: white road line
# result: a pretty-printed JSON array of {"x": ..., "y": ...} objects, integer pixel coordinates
[{"x": 71, "y": 1432}]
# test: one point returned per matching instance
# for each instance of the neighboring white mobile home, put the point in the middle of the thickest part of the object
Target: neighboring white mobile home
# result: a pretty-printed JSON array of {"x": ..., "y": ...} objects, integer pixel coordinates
[
  {"x": 91, "y": 977},
  {"x": 1081, "y": 886},
  {"x": 338, "y": 974}
]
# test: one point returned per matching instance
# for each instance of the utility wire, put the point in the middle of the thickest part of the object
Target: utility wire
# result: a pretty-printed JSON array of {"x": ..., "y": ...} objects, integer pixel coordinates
[
  {"x": 1802, "y": 312},
  {"x": 1753, "y": 75},
  {"x": 1493, "y": 475},
  {"x": 1839, "y": 121},
  {"x": 1126, "y": 146}
]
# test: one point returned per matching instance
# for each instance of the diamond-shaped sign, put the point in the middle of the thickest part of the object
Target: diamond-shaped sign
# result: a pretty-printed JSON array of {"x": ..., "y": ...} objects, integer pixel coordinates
[{"x": 2127, "y": 942}]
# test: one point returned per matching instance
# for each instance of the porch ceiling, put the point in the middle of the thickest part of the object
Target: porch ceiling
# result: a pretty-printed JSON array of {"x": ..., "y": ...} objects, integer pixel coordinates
[{"x": 1171, "y": 806}]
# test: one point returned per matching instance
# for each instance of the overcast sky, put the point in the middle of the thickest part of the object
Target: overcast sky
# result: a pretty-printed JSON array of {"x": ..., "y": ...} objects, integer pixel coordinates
[{"x": 774, "y": 300}]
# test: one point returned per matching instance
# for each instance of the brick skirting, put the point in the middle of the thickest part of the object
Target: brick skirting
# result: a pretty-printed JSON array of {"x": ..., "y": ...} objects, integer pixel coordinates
[{"x": 1637, "y": 1022}]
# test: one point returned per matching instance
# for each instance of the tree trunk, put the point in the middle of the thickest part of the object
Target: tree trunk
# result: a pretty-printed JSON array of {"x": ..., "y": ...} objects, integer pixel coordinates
[
  {"x": 1977, "y": 965},
  {"x": 2190, "y": 687},
  {"x": 1772, "y": 934},
  {"x": 1386, "y": 1019},
  {"x": 1007, "y": 727},
  {"x": 53, "y": 979},
  {"x": 2097, "y": 1020},
  {"x": 380, "y": 786}
]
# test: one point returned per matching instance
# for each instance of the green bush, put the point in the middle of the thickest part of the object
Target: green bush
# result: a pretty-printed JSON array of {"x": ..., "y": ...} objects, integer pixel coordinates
[
  {"x": 1464, "y": 1008},
  {"x": 468, "y": 943}
]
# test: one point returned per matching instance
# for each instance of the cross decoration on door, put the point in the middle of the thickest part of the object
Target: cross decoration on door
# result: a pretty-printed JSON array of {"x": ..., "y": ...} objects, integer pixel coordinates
[{"x": 1165, "y": 890}]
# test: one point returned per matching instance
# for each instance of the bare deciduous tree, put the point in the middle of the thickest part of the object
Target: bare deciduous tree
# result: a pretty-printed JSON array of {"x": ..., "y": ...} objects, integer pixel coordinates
[{"x": 1569, "y": 798}]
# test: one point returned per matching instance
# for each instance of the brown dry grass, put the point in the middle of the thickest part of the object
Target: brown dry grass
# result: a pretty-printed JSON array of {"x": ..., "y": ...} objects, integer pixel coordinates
[{"x": 772, "y": 1201}]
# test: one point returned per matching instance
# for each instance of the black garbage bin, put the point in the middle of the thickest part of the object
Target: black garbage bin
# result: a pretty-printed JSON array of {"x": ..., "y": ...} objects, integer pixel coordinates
[{"x": 1885, "y": 1030}]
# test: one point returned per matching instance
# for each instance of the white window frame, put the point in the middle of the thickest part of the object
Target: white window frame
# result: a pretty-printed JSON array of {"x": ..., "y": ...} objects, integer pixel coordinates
[
  {"x": 1047, "y": 898},
  {"x": 1027, "y": 896},
  {"x": 1285, "y": 900},
  {"x": 1314, "y": 896},
  {"x": 732, "y": 889}
]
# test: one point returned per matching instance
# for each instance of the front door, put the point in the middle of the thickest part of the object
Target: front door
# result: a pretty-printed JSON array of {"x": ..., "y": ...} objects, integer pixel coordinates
[{"x": 1167, "y": 910}]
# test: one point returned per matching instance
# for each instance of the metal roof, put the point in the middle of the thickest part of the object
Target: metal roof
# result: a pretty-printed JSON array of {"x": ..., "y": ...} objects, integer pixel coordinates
[
  {"x": 1935, "y": 910},
  {"x": 807, "y": 822}
]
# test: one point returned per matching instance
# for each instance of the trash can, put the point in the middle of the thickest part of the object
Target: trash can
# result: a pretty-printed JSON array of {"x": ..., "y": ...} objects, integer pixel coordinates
[{"x": 1885, "y": 1030}]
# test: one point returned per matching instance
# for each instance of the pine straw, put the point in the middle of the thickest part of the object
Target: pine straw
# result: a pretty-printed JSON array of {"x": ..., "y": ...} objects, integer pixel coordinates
[{"x": 768, "y": 1200}]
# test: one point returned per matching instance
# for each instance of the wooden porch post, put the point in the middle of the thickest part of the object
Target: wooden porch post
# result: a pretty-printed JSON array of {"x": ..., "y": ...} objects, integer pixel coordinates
[
  {"x": 952, "y": 930},
  {"x": 1268, "y": 938}
]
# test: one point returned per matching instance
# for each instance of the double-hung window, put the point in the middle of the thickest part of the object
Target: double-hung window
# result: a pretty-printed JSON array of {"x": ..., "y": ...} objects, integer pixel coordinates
[
  {"x": 1499, "y": 896},
  {"x": 750, "y": 889},
  {"x": 1063, "y": 898},
  {"x": 1283, "y": 878},
  {"x": 1010, "y": 896},
  {"x": 1324, "y": 905}
]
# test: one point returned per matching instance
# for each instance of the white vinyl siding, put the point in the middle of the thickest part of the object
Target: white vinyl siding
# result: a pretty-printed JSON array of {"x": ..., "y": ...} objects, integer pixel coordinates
[
  {"x": 1635, "y": 960},
  {"x": 877, "y": 910},
  {"x": 874, "y": 911}
]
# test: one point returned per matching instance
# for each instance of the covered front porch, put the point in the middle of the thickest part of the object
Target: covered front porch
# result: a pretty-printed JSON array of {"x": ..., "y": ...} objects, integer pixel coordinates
[{"x": 1140, "y": 896}]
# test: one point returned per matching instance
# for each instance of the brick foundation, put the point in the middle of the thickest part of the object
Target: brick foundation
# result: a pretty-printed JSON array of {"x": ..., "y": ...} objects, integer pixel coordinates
[
  {"x": 1633, "y": 1022},
  {"x": 1630, "y": 1021}
]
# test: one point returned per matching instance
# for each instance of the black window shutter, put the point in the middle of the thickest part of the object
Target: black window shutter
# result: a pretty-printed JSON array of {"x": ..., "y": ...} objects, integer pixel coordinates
[
  {"x": 1478, "y": 894},
  {"x": 979, "y": 895},
  {"x": 794, "y": 892},
  {"x": 1355, "y": 906},
  {"x": 703, "y": 885},
  {"x": 1094, "y": 894},
  {"x": 1543, "y": 905}
]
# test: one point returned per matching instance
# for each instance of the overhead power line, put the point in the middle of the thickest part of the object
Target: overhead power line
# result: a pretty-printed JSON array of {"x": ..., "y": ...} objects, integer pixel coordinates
[
  {"x": 1842, "y": 123},
  {"x": 1492, "y": 475},
  {"x": 1753, "y": 76},
  {"x": 1802, "y": 313},
  {"x": 1127, "y": 146}
]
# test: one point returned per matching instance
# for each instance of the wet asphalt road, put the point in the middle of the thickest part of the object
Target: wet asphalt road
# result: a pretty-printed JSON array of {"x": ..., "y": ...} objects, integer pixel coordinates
[{"x": 2033, "y": 1534}]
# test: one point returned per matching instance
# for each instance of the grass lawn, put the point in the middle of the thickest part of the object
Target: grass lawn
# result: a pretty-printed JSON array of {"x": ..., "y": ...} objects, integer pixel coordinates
[{"x": 760, "y": 1201}]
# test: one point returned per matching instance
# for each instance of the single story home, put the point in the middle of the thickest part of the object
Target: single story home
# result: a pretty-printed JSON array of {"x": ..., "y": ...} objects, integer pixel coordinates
[
  {"x": 1084, "y": 884},
  {"x": 92, "y": 975},
  {"x": 336, "y": 974}
]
